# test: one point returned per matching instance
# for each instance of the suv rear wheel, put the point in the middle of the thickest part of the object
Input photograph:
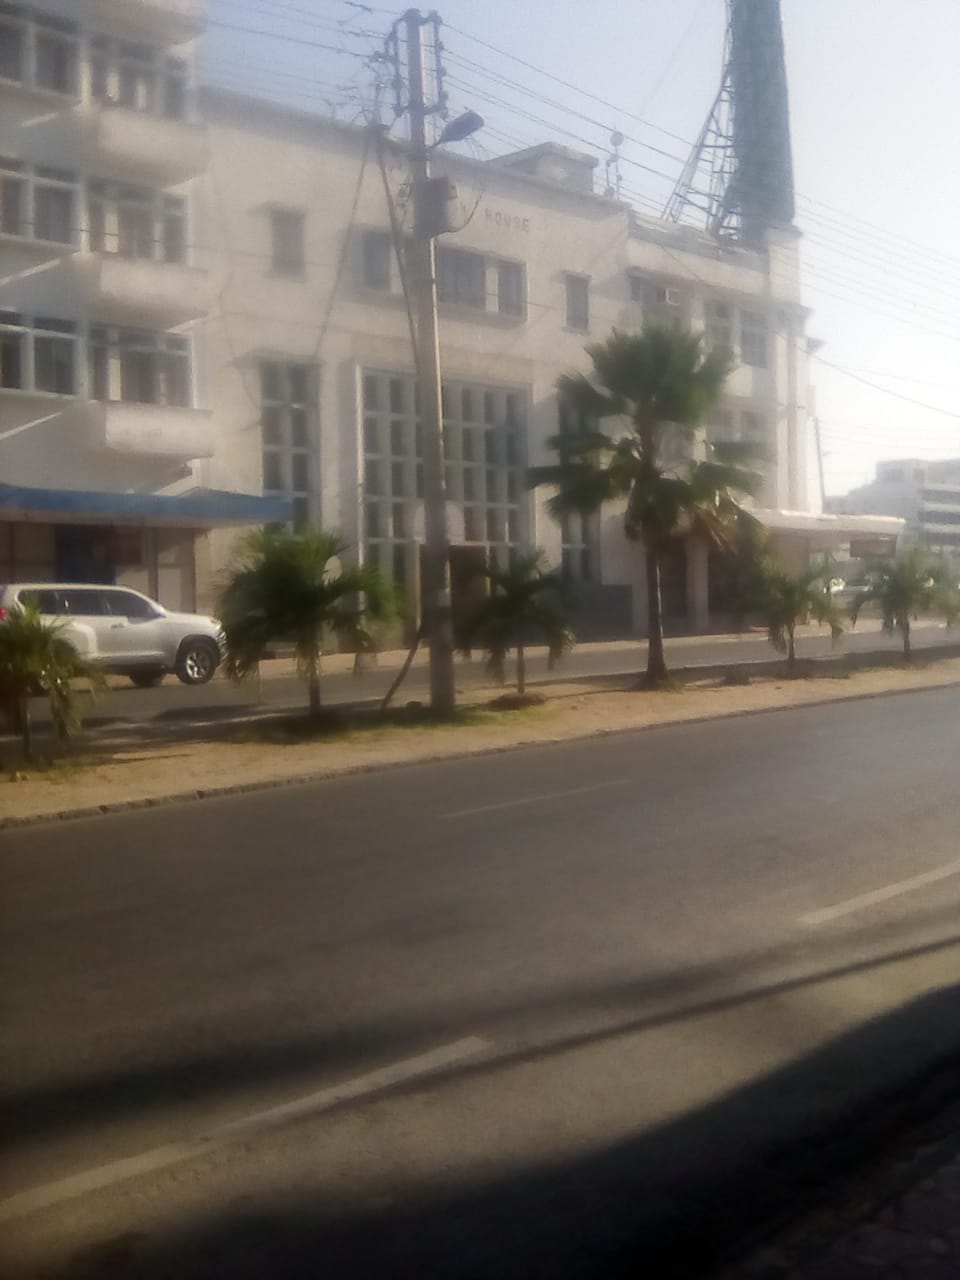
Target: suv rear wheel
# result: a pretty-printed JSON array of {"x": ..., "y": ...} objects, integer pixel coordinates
[
  {"x": 147, "y": 677},
  {"x": 197, "y": 661}
]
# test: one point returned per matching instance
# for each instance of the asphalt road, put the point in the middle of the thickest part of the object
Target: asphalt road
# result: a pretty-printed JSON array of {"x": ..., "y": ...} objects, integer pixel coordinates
[
  {"x": 564, "y": 1012},
  {"x": 175, "y": 701}
]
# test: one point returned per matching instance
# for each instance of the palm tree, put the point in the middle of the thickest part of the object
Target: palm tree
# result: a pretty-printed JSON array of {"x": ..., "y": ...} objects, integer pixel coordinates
[
  {"x": 519, "y": 605},
  {"x": 914, "y": 582},
  {"x": 784, "y": 599},
  {"x": 35, "y": 658},
  {"x": 658, "y": 386},
  {"x": 295, "y": 587}
]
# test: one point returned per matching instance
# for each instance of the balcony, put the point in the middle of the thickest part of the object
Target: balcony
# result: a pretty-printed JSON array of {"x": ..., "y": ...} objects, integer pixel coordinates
[
  {"x": 133, "y": 145},
  {"x": 156, "y": 21},
  {"x": 151, "y": 430},
  {"x": 138, "y": 291}
]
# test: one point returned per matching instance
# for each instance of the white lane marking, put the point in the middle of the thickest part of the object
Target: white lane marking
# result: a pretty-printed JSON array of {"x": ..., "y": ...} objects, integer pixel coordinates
[
  {"x": 896, "y": 890},
  {"x": 549, "y": 795},
  {"x": 107, "y": 1175}
]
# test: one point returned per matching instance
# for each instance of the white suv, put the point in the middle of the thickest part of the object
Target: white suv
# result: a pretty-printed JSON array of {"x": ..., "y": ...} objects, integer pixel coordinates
[{"x": 123, "y": 632}]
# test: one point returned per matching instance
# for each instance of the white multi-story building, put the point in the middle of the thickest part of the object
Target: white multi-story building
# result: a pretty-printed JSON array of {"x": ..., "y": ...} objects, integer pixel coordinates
[
  {"x": 925, "y": 495},
  {"x": 104, "y": 412},
  {"x": 204, "y": 325}
]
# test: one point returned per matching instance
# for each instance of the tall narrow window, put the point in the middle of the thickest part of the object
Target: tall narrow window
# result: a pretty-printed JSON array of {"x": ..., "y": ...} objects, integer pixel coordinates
[
  {"x": 578, "y": 302},
  {"x": 289, "y": 437},
  {"x": 377, "y": 249},
  {"x": 287, "y": 242},
  {"x": 510, "y": 289},
  {"x": 753, "y": 339}
]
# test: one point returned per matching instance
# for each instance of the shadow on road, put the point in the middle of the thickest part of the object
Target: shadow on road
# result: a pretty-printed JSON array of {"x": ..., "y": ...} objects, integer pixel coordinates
[
  {"x": 84, "y": 1103},
  {"x": 669, "y": 1204}
]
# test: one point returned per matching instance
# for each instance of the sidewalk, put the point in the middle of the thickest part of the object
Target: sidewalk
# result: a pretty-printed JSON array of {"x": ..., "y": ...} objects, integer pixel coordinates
[{"x": 900, "y": 1220}]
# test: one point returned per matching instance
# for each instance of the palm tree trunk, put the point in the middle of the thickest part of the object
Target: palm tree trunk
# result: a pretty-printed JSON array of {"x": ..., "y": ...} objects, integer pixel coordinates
[
  {"x": 791, "y": 651},
  {"x": 313, "y": 686},
  {"x": 521, "y": 671},
  {"x": 26, "y": 728},
  {"x": 402, "y": 673},
  {"x": 656, "y": 660},
  {"x": 907, "y": 651}
]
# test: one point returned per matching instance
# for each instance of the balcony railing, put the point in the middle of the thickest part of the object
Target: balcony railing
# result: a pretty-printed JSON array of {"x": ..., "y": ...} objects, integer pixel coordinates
[
  {"x": 137, "y": 291},
  {"x": 164, "y": 21},
  {"x": 137, "y": 145},
  {"x": 151, "y": 430}
]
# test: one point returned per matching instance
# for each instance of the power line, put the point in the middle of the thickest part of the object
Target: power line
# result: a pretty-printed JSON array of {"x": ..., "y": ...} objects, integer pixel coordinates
[{"x": 896, "y": 395}]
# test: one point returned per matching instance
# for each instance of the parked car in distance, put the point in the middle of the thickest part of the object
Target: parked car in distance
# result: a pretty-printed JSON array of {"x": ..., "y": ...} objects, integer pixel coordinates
[{"x": 124, "y": 632}]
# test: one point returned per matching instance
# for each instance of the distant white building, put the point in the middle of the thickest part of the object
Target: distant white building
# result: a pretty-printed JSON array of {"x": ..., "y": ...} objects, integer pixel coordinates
[
  {"x": 202, "y": 325},
  {"x": 925, "y": 495}
]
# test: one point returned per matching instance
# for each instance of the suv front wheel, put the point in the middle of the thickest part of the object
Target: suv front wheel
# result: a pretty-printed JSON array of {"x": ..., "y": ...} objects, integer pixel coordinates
[{"x": 197, "y": 661}]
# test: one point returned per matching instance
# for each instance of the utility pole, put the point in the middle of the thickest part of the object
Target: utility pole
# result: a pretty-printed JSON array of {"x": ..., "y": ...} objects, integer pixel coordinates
[{"x": 436, "y": 598}]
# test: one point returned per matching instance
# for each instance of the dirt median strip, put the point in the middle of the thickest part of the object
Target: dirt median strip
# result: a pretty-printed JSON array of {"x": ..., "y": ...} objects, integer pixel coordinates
[{"x": 112, "y": 775}]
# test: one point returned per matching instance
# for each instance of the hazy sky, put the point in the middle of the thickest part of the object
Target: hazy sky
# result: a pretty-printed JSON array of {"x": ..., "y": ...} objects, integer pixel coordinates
[{"x": 874, "y": 107}]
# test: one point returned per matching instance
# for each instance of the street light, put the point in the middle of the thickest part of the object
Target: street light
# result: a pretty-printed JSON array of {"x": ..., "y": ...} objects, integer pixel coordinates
[{"x": 461, "y": 127}]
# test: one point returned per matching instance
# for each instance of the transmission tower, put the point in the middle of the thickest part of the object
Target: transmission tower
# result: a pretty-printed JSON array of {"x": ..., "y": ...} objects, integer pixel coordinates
[{"x": 738, "y": 180}]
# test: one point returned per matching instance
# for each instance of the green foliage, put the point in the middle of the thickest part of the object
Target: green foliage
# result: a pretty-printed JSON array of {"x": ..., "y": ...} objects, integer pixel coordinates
[
  {"x": 523, "y": 602},
  {"x": 655, "y": 388},
  {"x": 35, "y": 658},
  {"x": 915, "y": 582},
  {"x": 295, "y": 588},
  {"x": 785, "y": 599}
]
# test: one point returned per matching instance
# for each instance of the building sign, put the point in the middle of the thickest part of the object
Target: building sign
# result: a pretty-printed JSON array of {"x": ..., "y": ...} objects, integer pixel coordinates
[{"x": 509, "y": 221}]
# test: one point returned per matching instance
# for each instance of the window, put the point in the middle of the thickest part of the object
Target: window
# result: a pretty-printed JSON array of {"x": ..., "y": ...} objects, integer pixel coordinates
[
  {"x": 637, "y": 287},
  {"x": 124, "y": 604},
  {"x": 579, "y": 534},
  {"x": 287, "y": 250},
  {"x": 139, "y": 77},
  {"x": 462, "y": 278},
  {"x": 510, "y": 289},
  {"x": 46, "y": 602},
  {"x": 136, "y": 222},
  {"x": 377, "y": 251},
  {"x": 139, "y": 366},
  {"x": 753, "y": 339},
  {"x": 38, "y": 202},
  {"x": 578, "y": 302},
  {"x": 13, "y": 198},
  {"x": 38, "y": 51},
  {"x": 84, "y": 602},
  {"x": 38, "y": 354},
  {"x": 720, "y": 429},
  {"x": 55, "y": 59},
  {"x": 719, "y": 326},
  {"x": 484, "y": 464},
  {"x": 13, "y": 48},
  {"x": 752, "y": 426},
  {"x": 289, "y": 430}
]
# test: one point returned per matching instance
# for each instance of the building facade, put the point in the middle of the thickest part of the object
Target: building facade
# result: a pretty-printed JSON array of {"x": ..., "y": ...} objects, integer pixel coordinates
[
  {"x": 312, "y": 342},
  {"x": 104, "y": 412},
  {"x": 204, "y": 325},
  {"x": 925, "y": 495}
]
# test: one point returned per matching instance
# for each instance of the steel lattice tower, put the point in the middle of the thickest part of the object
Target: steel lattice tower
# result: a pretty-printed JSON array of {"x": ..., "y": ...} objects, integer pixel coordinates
[{"x": 738, "y": 180}]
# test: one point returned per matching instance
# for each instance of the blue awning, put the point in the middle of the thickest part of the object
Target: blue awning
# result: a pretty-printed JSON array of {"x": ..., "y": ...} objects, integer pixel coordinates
[{"x": 198, "y": 509}]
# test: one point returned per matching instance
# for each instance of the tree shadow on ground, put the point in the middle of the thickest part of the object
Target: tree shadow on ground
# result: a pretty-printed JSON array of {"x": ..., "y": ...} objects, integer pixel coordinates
[{"x": 671, "y": 1203}]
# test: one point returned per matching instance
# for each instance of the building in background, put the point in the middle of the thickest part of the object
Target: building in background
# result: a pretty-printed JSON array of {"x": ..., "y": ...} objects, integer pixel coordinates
[
  {"x": 310, "y": 363},
  {"x": 925, "y": 495},
  {"x": 105, "y": 423}
]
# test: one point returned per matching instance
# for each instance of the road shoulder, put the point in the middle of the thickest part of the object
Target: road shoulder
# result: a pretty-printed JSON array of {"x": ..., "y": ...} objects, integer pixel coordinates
[{"x": 140, "y": 767}]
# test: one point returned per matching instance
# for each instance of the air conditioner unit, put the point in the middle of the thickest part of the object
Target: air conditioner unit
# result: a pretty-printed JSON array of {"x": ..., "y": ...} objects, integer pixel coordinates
[{"x": 669, "y": 297}]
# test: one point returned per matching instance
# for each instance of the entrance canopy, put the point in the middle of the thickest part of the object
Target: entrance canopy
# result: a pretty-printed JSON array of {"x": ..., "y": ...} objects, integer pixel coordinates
[{"x": 197, "y": 509}]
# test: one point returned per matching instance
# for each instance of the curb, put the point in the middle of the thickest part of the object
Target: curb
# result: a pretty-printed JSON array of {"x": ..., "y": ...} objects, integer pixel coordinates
[{"x": 273, "y": 784}]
